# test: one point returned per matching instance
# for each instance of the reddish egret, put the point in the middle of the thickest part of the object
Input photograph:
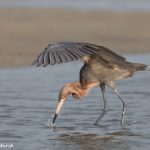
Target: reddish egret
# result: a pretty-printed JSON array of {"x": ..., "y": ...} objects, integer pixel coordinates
[{"x": 101, "y": 67}]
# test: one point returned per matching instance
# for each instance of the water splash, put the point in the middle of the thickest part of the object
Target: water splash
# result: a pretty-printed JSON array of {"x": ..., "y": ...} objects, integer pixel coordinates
[
  {"x": 134, "y": 124},
  {"x": 49, "y": 123}
]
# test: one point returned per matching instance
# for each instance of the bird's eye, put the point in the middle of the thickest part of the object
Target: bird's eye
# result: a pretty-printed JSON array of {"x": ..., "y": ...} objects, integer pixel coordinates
[{"x": 63, "y": 98}]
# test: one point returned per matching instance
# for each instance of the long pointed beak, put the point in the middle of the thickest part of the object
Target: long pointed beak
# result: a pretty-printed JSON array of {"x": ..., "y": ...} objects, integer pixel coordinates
[
  {"x": 54, "y": 119},
  {"x": 58, "y": 109}
]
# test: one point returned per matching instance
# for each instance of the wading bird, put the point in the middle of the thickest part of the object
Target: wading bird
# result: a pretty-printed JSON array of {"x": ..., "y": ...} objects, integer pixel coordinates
[{"x": 101, "y": 67}]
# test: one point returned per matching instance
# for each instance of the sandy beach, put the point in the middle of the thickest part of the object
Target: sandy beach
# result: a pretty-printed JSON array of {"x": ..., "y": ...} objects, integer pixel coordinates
[{"x": 25, "y": 32}]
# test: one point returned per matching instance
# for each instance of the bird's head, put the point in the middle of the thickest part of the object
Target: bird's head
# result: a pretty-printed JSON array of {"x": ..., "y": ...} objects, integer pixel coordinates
[
  {"x": 77, "y": 92},
  {"x": 73, "y": 88}
]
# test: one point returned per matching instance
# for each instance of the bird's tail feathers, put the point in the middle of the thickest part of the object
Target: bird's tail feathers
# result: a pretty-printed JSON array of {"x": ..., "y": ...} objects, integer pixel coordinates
[{"x": 140, "y": 66}]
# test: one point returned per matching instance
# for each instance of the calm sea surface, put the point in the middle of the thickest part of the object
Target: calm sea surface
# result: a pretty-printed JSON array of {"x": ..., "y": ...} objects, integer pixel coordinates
[
  {"x": 117, "y": 5},
  {"x": 28, "y": 97}
]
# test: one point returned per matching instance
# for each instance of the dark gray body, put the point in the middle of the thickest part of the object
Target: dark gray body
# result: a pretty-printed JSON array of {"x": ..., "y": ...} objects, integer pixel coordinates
[{"x": 97, "y": 69}]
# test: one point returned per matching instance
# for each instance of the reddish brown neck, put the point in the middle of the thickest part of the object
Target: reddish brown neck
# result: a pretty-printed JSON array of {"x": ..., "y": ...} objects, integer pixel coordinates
[{"x": 76, "y": 89}]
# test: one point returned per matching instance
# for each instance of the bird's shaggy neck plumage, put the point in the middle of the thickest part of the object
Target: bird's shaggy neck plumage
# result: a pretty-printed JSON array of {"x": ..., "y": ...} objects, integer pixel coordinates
[{"x": 76, "y": 89}]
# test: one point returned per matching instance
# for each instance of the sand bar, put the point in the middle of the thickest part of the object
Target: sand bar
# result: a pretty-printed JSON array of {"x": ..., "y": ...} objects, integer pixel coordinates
[{"x": 25, "y": 32}]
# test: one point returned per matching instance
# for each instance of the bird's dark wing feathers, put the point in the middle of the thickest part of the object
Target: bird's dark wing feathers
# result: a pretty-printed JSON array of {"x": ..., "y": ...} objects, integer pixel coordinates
[{"x": 68, "y": 51}]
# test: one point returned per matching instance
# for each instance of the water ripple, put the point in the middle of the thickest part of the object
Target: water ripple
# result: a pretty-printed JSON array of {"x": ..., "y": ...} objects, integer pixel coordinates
[{"x": 28, "y": 97}]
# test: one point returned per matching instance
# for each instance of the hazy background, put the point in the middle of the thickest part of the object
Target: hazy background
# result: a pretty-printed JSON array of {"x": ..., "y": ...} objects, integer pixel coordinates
[{"x": 27, "y": 26}]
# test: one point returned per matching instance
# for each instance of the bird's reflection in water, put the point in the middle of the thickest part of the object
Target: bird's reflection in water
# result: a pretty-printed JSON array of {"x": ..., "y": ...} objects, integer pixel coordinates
[{"x": 90, "y": 141}]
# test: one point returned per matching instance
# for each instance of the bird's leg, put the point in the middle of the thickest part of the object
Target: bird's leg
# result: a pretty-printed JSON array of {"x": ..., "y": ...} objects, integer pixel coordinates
[
  {"x": 122, "y": 100},
  {"x": 102, "y": 86}
]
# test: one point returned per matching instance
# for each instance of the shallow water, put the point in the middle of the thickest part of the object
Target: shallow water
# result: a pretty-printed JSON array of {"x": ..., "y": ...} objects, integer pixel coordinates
[
  {"x": 28, "y": 97},
  {"x": 115, "y": 5}
]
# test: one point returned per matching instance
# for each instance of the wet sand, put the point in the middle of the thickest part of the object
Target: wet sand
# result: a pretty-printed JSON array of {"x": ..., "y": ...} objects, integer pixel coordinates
[{"x": 25, "y": 32}]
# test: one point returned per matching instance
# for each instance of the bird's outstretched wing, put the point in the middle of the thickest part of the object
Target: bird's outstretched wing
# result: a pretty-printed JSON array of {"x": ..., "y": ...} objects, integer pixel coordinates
[{"x": 68, "y": 51}]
